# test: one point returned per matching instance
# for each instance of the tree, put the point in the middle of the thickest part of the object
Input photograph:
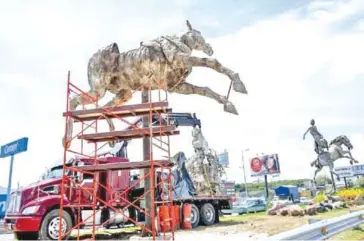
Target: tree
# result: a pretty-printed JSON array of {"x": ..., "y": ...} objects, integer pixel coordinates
[
  {"x": 239, "y": 187},
  {"x": 360, "y": 182},
  {"x": 323, "y": 179}
]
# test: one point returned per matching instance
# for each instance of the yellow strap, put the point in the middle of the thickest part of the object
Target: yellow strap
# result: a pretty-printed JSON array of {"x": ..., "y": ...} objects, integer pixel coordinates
[{"x": 208, "y": 180}]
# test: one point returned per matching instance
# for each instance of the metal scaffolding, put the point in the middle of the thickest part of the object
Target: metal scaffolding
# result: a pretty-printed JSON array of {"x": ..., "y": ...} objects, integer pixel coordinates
[{"x": 74, "y": 191}]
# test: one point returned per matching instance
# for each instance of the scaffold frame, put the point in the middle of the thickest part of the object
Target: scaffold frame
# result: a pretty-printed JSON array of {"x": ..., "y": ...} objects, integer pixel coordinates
[{"x": 89, "y": 119}]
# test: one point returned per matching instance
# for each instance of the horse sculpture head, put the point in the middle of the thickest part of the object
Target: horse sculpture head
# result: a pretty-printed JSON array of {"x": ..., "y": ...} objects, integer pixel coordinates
[
  {"x": 194, "y": 40},
  {"x": 342, "y": 140}
]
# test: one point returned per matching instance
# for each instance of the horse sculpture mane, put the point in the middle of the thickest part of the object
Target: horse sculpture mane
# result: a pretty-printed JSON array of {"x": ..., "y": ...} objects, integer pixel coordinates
[
  {"x": 337, "y": 139},
  {"x": 162, "y": 63}
]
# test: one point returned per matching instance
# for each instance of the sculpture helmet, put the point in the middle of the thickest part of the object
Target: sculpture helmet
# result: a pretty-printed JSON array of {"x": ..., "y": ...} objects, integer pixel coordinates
[{"x": 312, "y": 122}]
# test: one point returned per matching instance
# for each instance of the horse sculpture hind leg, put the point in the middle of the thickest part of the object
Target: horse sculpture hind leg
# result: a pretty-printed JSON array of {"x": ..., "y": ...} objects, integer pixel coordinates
[
  {"x": 119, "y": 99},
  {"x": 331, "y": 166},
  {"x": 187, "y": 89}
]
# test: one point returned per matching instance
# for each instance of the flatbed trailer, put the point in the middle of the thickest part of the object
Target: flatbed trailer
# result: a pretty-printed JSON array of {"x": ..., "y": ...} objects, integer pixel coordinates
[{"x": 205, "y": 209}]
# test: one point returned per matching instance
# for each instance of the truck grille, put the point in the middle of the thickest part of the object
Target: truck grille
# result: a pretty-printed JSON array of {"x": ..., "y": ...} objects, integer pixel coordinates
[{"x": 14, "y": 204}]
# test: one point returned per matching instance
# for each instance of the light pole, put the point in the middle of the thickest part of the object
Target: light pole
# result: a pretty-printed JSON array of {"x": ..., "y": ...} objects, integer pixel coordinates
[{"x": 242, "y": 157}]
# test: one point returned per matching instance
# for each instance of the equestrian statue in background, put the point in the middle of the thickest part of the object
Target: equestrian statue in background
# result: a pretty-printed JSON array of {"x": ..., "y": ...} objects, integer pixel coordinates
[
  {"x": 335, "y": 152},
  {"x": 328, "y": 154}
]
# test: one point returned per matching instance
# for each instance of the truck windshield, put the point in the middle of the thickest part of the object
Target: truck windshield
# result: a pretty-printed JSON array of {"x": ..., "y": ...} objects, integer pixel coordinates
[{"x": 55, "y": 172}]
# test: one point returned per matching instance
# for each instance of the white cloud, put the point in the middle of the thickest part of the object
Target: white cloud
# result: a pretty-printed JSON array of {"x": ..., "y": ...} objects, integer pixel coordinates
[{"x": 276, "y": 58}]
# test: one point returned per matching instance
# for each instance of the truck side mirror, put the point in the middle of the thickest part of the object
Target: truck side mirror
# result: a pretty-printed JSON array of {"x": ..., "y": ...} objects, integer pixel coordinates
[{"x": 79, "y": 175}]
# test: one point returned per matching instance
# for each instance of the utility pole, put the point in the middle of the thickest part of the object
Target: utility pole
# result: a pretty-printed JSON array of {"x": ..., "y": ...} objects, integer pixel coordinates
[
  {"x": 246, "y": 186},
  {"x": 146, "y": 157}
]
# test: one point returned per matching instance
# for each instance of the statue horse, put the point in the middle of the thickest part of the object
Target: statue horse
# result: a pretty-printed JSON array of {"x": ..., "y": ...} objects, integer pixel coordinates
[
  {"x": 164, "y": 63},
  {"x": 335, "y": 151}
]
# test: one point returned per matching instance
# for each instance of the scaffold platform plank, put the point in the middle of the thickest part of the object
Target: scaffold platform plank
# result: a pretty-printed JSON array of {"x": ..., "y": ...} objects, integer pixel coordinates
[
  {"x": 124, "y": 166},
  {"x": 119, "y": 111},
  {"x": 129, "y": 134}
]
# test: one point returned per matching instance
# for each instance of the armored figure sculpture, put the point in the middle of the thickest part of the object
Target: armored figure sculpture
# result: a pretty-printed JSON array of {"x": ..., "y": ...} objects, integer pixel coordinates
[
  {"x": 162, "y": 63},
  {"x": 319, "y": 141},
  {"x": 205, "y": 170}
]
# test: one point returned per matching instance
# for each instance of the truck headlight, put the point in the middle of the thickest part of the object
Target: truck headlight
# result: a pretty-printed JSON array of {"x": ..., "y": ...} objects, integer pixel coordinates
[{"x": 30, "y": 210}]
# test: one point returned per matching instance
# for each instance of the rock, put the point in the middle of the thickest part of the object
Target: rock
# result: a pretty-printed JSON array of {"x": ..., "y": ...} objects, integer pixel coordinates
[
  {"x": 359, "y": 200},
  {"x": 335, "y": 198},
  {"x": 328, "y": 206},
  {"x": 283, "y": 212},
  {"x": 337, "y": 205},
  {"x": 321, "y": 209},
  {"x": 311, "y": 210},
  {"x": 295, "y": 210},
  {"x": 276, "y": 207}
]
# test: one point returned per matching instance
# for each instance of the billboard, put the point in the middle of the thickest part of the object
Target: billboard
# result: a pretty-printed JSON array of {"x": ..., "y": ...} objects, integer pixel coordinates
[
  {"x": 358, "y": 170},
  {"x": 346, "y": 171},
  {"x": 223, "y": 159},
  {"x": 2, "y": 205},
  {"x": 350, "y": 171},
  {"x": 264, "y": 165}
]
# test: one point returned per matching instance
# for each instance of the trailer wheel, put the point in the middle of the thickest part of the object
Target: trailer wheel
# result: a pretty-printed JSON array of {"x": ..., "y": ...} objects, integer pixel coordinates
[
  {"x": 26, "y": 235},
  {"x": 208, "y": 214},
  {"x": 50, "y": 225},
  {"x": 195, "y": 216}
]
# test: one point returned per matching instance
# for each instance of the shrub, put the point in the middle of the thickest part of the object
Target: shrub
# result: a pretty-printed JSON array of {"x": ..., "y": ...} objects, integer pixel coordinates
[{"x": 350, "y": 193}]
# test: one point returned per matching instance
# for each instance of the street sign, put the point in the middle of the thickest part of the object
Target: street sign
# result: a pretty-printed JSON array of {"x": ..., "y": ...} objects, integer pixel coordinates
[
  {"x": 358, "y": 169},
  {"x": 14, "y": 147},
  {"x": 345, "y": 171},
  {"x": 2, "y": 205},
  {"x": 223, "y": 159}
]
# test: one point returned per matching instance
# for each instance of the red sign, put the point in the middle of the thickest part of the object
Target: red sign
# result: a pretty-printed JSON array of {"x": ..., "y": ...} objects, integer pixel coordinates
[{"x": 256, "y": 164}]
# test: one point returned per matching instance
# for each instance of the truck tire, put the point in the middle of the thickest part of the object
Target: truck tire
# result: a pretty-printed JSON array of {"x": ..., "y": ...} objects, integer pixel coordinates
[
  {"x": 50, "y": 225},
  {"x": 208, "y": 214},
  {"x": 195, "y": 216},
  {"x": 26, "y": 235}
]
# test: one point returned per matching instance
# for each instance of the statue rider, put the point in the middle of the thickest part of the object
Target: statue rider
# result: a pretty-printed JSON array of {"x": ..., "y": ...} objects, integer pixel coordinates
[{"x": 320, "y": 142}]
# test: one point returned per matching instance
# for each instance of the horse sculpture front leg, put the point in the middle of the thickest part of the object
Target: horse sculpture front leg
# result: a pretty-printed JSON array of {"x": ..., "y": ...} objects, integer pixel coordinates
[
  {"x": 342, "y": 153},
  {"x": 212, "y": 63},
  {"x": 187, "y": 89},
  {"x": 89, "y": 98},
  {"x": 317, "y": 171}
]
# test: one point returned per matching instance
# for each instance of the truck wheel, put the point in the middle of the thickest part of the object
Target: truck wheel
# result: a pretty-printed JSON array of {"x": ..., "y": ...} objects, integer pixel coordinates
[
  {"x": 195, "y": 216},
  {"x": 50, "y": 226},
  {"x": 26, "y": 235},
  {"x": 208, "y": 214}
]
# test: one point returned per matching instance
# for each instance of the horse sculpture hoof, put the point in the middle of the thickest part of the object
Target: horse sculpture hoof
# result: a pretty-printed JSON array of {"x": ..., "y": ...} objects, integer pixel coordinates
[
  {"x": 65, "y": 144},
  {"x": 230, "y": 108},
  {"x": 238, "y": 85}
]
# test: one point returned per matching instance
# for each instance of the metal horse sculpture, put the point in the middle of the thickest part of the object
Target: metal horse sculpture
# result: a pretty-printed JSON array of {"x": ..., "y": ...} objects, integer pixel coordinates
[
  {"x": 335, "y": 151},
  {"x": 164, "y": 63}
]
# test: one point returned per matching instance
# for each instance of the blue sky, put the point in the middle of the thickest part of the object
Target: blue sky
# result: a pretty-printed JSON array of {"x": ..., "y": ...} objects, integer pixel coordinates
[{"x": 298, "y": 59}]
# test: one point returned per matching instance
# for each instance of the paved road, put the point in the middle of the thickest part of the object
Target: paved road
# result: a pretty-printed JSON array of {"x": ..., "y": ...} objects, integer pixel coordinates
[{"x": 2, "y": 229}]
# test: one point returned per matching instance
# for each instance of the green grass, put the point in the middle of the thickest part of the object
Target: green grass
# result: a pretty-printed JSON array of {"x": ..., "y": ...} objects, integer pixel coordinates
[
  {"x": 350, "y": 234},
  {"x": 241, "y": 218},
  {"x": 244, "y": 217}
]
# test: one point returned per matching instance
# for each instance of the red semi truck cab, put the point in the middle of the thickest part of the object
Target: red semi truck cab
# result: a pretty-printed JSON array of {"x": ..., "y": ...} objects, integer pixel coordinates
[{"x": 33, "y": 210}]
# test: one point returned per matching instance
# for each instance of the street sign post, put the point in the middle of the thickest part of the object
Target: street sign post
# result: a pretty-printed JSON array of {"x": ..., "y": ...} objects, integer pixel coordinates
[{"x": 12, "y": 149}]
